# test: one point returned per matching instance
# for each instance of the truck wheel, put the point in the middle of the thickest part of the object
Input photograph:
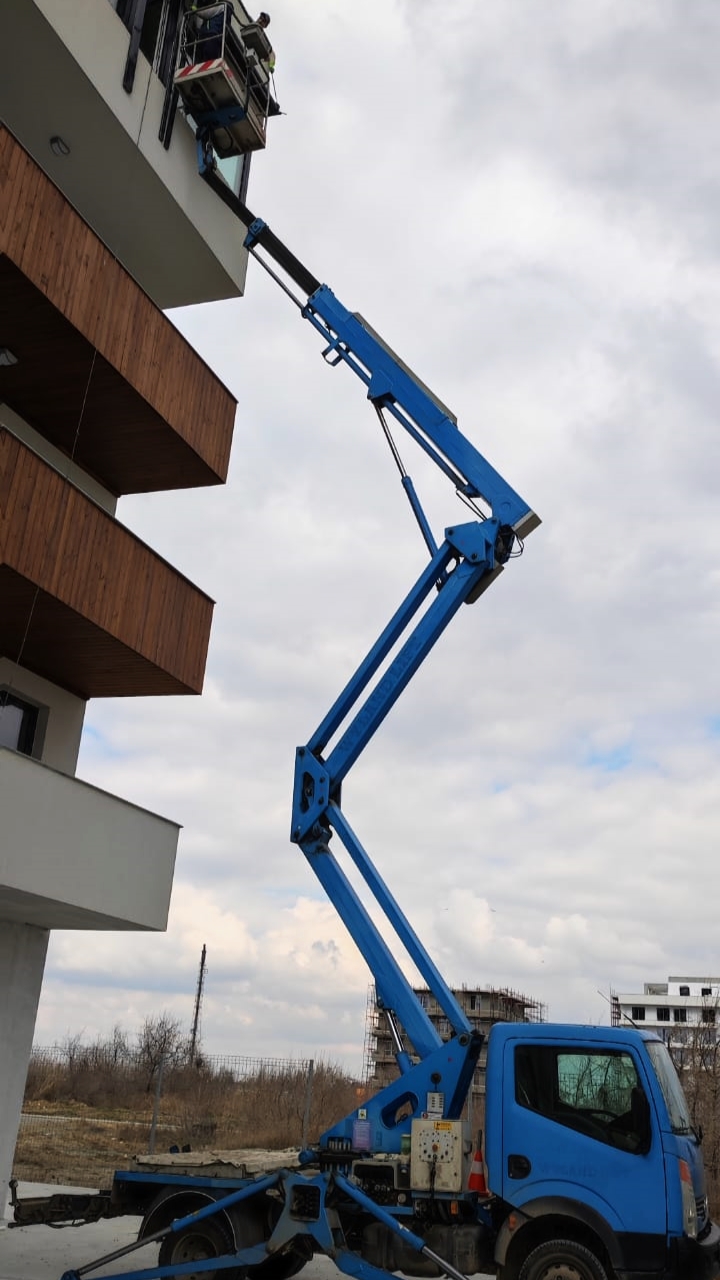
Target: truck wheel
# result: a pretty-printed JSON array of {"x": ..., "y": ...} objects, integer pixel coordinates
[
  {"x": 562, "y": 1260},
  {"x": 196, "y": 1243}
]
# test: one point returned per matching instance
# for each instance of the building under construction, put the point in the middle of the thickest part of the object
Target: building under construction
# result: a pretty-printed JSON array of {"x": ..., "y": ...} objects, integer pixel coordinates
[{"x": 482, "y": 1006}]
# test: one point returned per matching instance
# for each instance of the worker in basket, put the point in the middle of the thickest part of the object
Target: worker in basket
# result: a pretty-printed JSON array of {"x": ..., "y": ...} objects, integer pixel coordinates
[
  {"x": 263, "y": 20},
  {"x": 210, "y": 26},
  {"x": 261, "y": 70}
]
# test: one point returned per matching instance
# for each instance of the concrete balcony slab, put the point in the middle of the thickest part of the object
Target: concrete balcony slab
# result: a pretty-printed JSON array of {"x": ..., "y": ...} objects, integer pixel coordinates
[{"x": 75, "y": 857}]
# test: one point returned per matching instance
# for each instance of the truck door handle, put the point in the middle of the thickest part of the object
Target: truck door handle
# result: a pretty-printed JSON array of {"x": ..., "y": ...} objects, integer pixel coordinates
[{"x": 518, "y": 1167}]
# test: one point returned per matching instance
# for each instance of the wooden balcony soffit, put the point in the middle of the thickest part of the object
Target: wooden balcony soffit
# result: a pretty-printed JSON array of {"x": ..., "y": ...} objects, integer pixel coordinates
[
  {"x": 85, "y": 603},
  {"x": 100, "y": 371}
]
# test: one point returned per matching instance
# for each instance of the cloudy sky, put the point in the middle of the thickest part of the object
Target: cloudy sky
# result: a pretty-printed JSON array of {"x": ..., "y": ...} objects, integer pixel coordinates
[{"x": 524, "y": 199}]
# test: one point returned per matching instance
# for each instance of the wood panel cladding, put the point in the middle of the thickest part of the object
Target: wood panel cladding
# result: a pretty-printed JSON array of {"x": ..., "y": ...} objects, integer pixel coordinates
[
  {"x": 84, "y": 602},
  {"x": 95, "y": 352}
]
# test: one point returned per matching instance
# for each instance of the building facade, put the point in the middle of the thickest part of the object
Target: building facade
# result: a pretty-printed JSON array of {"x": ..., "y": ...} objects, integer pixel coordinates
[
  {"x": 677, "y": 1009},
  {"x": 103, "y": 223},
  {"x": 482, "y": 1006}
]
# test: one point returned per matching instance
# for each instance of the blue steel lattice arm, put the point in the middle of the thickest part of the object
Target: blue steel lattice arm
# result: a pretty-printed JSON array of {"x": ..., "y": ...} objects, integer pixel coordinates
[{"x": 469, "y": 558}]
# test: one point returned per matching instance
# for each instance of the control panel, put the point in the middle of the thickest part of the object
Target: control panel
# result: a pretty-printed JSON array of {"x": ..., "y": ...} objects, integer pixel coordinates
[{"x": 440, "y": 1155}]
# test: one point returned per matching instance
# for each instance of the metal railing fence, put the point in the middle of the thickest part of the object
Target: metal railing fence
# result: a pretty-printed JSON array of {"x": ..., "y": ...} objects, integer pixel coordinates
[{"x": 88, "y": 1111}]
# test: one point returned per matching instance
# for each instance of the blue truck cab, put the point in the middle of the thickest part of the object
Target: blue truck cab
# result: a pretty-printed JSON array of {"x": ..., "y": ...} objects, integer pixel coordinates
[{"x": 589, "y": 1143}]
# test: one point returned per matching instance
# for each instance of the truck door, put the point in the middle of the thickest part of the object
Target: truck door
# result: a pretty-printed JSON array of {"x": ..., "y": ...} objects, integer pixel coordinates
[{"x": 579, "y": 1125}]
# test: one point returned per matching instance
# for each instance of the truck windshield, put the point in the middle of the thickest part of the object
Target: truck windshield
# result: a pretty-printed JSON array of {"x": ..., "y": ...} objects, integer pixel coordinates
[{"x": 671, "y": 1088}]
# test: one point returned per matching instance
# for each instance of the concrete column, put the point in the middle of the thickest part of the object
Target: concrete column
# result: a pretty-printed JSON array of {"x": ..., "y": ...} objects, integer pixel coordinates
[{"x": 23, "y": 948}]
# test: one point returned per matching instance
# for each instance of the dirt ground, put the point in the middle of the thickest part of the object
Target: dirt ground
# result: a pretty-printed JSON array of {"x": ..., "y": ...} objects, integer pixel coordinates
[
  {"x": 85, "y": 1152},
  {"x": 75, "y": 1151}
]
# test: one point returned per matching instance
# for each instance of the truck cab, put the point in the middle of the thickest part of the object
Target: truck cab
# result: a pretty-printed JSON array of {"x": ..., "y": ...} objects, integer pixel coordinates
[{"x": 589, "y": 1140}]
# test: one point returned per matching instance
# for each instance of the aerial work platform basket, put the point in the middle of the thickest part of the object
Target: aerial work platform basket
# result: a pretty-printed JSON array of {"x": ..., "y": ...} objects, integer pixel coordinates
[{"x": 223, "y": 76}]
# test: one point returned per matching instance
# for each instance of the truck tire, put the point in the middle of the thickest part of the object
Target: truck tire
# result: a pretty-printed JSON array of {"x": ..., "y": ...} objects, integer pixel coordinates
[
  {"x": 202, "y": 1240},
  {"x": 562, "y": 1260}
]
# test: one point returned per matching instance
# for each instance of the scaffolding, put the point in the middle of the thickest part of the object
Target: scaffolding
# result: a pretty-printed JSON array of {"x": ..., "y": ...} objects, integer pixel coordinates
[
  {"x": 615, "y": 1014},
  {"x": 483, "y": 1006}
]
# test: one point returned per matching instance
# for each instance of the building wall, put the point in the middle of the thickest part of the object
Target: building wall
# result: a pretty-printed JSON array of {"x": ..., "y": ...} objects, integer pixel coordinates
[
  {"x": 22, "y": 960},
  {"x": 117, "y": 173},
  {"x": 671, "y": 1008},
  {"x": 58, "y": 742},
  {"x": 482, "y": 1006},
  {"x": 100, "y": 396}
]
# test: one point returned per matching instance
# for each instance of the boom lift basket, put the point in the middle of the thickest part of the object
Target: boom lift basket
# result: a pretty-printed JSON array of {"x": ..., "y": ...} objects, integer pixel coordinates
[{"x": 223, "y": 78}]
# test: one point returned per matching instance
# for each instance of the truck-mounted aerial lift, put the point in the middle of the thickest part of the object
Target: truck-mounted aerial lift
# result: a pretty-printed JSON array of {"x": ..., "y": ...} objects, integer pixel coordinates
[{"x": 593, "y": 1167}]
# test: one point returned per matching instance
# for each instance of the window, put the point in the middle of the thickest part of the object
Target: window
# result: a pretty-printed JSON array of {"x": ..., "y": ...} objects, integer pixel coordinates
[
  {"x": 473, "y": 1000},
  {"x": 671, "y": 1087},
  {"x": 595, "y": 1092},
  {"x": 18, "y": 723},
  {"x": 153, "y": 27},
  {"x": 679, "y": 1015},
  {"x": 158, "y": 43},
  {"x": 236, "y": 172},
  {"x": 706, "y": 991},
  {"x": 638, "y": 1013},
  {"x": 708, "y": 1015},
  {"x": 663, "y": 1013},
  {"x": 684, "y": 991}
]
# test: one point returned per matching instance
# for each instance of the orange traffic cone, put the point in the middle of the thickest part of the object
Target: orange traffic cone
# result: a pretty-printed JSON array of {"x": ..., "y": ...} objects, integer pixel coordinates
[{"x": 476, "y": 1181}]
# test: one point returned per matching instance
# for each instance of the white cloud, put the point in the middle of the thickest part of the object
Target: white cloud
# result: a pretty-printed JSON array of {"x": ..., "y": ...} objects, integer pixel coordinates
[{"x": 525, "y": 208}]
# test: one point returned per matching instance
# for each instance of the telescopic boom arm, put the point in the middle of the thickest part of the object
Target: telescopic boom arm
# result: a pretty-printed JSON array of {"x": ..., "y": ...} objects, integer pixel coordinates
[{"x": 461, "y": 566}]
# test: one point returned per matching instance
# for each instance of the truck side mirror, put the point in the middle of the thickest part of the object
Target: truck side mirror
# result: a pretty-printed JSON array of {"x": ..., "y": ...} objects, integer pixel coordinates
[{"x": 640, "y": 1112}]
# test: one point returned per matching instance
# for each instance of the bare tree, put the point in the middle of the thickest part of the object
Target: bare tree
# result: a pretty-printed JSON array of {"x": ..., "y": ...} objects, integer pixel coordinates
[
  {"x": 161, "y": 1040},
  {"x": 695, "y": 1049},
  {"x": 119, "y": 1046}
]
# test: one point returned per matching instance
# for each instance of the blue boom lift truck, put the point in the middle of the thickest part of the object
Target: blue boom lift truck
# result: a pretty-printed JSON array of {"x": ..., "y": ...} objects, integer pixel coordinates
[{"x": 594, "y": 1169}]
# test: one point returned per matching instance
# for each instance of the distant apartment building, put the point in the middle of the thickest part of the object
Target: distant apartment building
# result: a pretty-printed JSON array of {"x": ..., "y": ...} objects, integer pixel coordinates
[
  {"x": 482, "y": 1006},
  {"x": 676, "y": 1009}
]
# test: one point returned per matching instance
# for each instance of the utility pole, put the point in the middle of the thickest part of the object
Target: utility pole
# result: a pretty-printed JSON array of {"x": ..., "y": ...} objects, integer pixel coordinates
[{"x": 198, "y": 1002}]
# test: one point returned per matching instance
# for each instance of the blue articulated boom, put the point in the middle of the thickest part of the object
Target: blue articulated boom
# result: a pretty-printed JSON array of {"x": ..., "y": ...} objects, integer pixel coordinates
[
  {"x": 460, "y": 567},
  {"x": 326, "y": 1203}
]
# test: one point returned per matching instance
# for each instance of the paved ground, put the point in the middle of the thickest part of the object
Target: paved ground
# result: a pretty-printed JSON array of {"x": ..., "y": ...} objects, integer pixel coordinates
[{"x": 44, "y": 1253}]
